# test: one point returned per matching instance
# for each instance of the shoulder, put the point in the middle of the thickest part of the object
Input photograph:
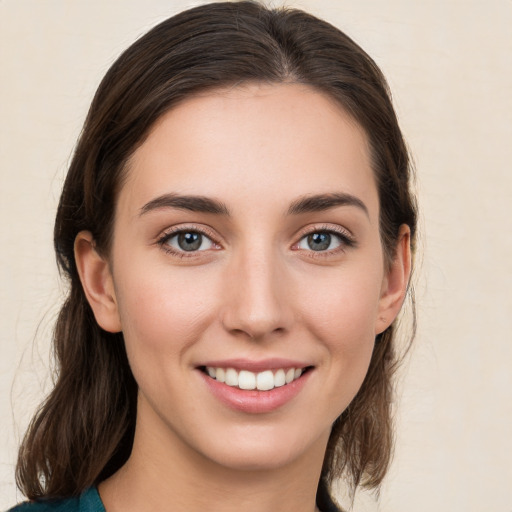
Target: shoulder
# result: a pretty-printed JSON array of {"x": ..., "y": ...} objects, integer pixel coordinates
[
  {"x": 65, "y": 505},
  {"x": 88, "y": 501}
]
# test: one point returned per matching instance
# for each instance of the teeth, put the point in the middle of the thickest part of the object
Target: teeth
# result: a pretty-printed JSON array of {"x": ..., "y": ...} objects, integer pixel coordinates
[
  {"x": 262, "y": 381},
  {"x": 279, "y": 378},
  {"x": 265, "y": 381},
  {"x": 246, "y": 380},
  {"x": 220, "y": 374},
  {"x": 231, "y": 377}
]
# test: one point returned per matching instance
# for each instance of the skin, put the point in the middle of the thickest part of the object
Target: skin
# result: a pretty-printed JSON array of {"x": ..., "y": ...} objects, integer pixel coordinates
[{"x": 255, "y": 290}]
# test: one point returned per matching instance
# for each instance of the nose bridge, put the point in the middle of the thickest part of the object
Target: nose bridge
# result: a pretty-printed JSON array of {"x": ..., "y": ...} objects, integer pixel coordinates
[{"x": 255, "y": 302}]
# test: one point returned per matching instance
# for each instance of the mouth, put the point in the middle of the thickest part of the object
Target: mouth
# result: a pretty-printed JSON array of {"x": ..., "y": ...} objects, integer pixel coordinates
[
  {"x": 264, "y": 380},
  {"x": 255, "y": 387}
]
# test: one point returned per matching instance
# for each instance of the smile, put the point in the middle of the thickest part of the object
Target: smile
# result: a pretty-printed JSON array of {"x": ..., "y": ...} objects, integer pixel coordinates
[
  {"x": 255, "y": 386},
  {"x": 261, "y": 381}
]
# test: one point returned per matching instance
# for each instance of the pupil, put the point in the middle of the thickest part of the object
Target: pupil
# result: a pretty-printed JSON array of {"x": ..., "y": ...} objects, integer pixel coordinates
[
  {"x": 319, "y": 241},
  {"x": 189, "y": 241}
]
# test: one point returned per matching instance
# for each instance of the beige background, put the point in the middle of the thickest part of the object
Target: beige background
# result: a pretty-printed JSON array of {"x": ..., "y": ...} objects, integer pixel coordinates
[{"x": 450, "y": 68}]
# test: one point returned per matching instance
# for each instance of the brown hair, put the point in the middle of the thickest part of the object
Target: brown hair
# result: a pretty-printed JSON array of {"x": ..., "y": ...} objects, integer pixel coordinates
[{"x": 84, "y": 430}]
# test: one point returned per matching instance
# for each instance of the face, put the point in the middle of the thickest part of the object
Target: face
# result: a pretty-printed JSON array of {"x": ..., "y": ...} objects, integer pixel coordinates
[{"x": 246, "y": 254}]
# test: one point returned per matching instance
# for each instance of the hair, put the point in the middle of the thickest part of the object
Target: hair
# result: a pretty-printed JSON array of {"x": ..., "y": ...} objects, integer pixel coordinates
[{"x": 83, "y": 432}]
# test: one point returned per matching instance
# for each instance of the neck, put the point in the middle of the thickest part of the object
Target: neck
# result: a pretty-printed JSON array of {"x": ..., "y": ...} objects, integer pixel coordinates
[{"x": 165, "y": 474}]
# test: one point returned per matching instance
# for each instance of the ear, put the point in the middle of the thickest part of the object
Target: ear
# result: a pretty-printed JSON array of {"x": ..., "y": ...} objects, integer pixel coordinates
[
  {"x": 97, "y": 282},
  {"x": 395, "y": 282}
]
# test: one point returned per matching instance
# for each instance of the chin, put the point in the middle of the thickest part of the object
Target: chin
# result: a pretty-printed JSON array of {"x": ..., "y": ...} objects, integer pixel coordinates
[{"x": 267, "y": 450}]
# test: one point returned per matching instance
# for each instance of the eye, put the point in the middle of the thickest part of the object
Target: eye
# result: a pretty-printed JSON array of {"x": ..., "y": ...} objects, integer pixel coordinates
[
  {"x": 187, "y": 241},
  {"x": 319, "y": 241},
  {"x": 324, "y": 240}
]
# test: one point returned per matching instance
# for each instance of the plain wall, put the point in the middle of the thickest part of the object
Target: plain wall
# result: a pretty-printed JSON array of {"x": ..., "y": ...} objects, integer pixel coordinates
[{"x": 450, "y": 69}]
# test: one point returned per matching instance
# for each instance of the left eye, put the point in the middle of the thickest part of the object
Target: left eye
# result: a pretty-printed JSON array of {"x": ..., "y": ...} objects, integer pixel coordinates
[
  {"x": 320, "y": 241},
  {"x": 189, "y": 241}
]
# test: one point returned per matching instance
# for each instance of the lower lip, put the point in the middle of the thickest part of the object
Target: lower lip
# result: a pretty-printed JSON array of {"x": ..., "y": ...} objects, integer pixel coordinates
[{"x": 254, "y": 401}]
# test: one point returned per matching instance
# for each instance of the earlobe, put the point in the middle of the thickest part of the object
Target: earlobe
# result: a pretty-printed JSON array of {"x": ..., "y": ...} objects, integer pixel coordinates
[
  {"x": 96, "y": 278},
  {"x": 396, "y": 281}
]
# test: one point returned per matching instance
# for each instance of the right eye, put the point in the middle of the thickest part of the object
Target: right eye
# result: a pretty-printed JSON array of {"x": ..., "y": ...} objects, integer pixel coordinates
[
  {"x": 184, "y": 241},
  {"x": 188, "y": 241}
]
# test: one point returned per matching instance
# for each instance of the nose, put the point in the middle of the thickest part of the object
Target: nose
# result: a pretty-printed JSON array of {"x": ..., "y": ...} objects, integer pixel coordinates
[{"x": 256, "y": 303}]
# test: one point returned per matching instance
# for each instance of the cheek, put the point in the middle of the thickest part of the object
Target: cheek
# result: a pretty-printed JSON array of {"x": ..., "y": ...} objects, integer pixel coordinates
[
  {"x": 343, "y": 318},
  {"x": 163, "y": 312},
  {"x": 343, "y": 308}
]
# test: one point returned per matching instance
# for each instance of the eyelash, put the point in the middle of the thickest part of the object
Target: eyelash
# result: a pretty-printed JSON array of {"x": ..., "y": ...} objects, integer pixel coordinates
[
  {"x": 345, "y": 238},
  {"x": 163, "y": 240}
]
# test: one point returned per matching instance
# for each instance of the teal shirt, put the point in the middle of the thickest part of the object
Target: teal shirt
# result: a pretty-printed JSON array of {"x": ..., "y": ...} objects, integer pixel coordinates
[{"x": 88, "y": 501}]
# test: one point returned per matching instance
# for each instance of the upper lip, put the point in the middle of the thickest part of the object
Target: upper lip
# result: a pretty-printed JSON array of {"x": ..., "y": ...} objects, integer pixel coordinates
[{"x": 255, "y": 365}]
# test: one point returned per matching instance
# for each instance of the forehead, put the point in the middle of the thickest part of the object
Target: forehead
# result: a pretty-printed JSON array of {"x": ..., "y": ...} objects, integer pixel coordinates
[{"x": 253, "y": 142}]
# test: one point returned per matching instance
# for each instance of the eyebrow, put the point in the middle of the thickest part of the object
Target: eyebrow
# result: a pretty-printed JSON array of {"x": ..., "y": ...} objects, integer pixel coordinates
[
  {"x": 203, "y": 204},
  {"x": 183, "y": 202},
  {"x": 322, "y": 202}
]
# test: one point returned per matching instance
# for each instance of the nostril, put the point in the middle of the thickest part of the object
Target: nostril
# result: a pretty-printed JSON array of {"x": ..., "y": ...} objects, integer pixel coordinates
[{"x": 257, "y": 333}]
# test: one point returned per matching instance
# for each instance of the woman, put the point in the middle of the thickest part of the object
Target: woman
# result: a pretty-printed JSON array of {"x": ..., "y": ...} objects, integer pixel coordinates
[{"x": 236, "y": 227}]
